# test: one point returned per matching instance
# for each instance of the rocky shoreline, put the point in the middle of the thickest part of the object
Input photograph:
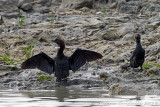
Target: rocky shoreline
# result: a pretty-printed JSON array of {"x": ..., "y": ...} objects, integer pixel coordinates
[{"x": 108, "y": 30}]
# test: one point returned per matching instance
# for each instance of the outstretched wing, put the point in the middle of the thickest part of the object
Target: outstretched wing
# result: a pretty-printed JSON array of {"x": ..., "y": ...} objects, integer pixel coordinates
[
  {"x": 80, "y": 57},
  {"x": 40, "y": 61}
]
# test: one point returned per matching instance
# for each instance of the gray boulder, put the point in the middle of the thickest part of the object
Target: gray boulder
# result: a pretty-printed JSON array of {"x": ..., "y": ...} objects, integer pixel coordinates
[
  {"x": 76, "y": 4},
  {"x": 33, "y": 5},
  {"x": 8, "y": 5},
  {"x": 8, "y": 8},
  {"x": 99, "y": 4},
  {"x": 129, "y": 6},
  {"x": 151, "y": 8},
  {"x": 96, "y": 4}
]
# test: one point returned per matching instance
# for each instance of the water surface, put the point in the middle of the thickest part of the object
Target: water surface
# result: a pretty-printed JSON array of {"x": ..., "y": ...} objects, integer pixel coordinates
[{"x": 73, "y": 97}]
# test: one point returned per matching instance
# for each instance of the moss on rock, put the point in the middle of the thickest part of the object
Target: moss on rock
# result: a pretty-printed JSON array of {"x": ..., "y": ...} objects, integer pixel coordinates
[{"x": 44, "y": 78}]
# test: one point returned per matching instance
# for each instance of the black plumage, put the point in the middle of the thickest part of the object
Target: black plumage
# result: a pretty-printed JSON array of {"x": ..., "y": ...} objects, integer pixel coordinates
[
  {"x": 138, "y": 55},
  {"x": 61, "y": 64}
]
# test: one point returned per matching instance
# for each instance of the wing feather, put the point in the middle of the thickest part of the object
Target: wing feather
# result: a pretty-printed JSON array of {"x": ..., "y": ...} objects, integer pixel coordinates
[
  {"x": 40, "y": 61},
  {"x": 80, "y": 57}
]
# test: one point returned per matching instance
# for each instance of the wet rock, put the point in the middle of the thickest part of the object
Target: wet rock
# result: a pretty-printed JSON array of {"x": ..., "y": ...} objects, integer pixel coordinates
[
  {"x": 9, "y": 22},
  {"x": 152, "y": 38},
  {"x": 7, "y": 80},
  {"x": 122, "y": 90},
  {"x": 85, "y": 9},
  {"x": 113, "y": 33},
  {"x": 103, "y": 75},
  {"x": 33, "y": 6},
  {"x": 28, "y": 79},
  {"x": 112, "y": 80},
  {"x": 96, "y": 4},
  {"x": 94, "y": 21},
  {"x": 43, "y": 2},
  {"x": 130, "y": 7},
  {"x": 8, "y": 5},
  {"x": 110, "y": 34},
  {"x": 151, "y": 8},
  {"x": 124, "y": 68},
  {"x": 76, "y": 4},
  {"x": 153, "y": 49},
  {"x": 153, "y": 71},
  {"x": 102, "y": 4},
  {"x": 14, "y": 84},
  {"x": 127, "y": 28},
  {"x": 34, "y": 19},
  {"x": 5, "y": 67},
  {"x": 84, "y": 68},
  {"x": 153, "y": 25},
  {"x": 26, "y": 7},
  {"x": 55, "y": 4},
  {"x": 128, "y": 37},
  {"x": 130, "y": 76},
  {"x": 112, "y": 3},
  {"x": 27, "y": 74}
]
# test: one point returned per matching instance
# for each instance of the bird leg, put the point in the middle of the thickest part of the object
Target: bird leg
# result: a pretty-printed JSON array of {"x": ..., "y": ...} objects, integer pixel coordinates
[
  {"x": 58, "y": 80},
  {"x": 133, "y": 70},
  {"x": 141, "y": 69},
  {"x": 65, "y": 80}
]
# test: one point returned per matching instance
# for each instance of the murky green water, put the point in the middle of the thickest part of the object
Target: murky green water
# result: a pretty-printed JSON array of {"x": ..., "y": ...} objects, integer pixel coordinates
[{"x": 73, "y": 97}]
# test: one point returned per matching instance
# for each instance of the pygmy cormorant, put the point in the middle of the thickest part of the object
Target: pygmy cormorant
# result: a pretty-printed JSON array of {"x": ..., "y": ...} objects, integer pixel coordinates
[
  {"x": 138, "y": 55},
  {"x": 61, "y": 64}
]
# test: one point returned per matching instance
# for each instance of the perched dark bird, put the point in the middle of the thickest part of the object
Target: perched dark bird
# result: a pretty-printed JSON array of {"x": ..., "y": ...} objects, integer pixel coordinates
[
  {"x": 138, "y": 55},
  {"x": 61, "y": 64}
]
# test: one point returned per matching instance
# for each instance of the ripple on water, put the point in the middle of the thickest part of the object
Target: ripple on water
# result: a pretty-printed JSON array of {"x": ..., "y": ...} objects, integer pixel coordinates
[{"x": 73, "y": 97}]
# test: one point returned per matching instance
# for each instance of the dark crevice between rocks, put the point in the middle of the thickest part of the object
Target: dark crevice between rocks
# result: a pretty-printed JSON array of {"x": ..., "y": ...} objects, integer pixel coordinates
[
  {"x": 127, "y": 0},
  {"x": 84, "y": 4}
]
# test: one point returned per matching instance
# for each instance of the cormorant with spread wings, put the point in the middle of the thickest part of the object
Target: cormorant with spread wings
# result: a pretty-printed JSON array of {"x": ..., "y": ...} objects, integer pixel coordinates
[{"x": 61, "y": 64}]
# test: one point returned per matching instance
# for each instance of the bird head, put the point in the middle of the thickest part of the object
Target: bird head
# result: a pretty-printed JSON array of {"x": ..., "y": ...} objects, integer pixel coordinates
[
  {"x": 59, "y": 42},
  {"x": 137, "y": 37}
]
